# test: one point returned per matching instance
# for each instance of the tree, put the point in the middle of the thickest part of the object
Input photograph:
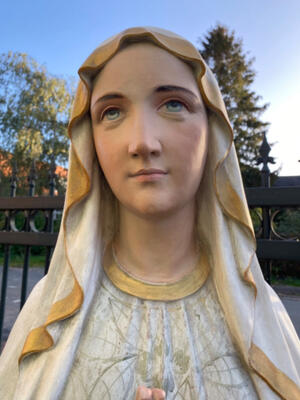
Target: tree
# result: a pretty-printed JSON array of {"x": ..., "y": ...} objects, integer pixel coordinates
[
  {"x": 34, "y": 112},
  {"x": 224, "y": 54}
]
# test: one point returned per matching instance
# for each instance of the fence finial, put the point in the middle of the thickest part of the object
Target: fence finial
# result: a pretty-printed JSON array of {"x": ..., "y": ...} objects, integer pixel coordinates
[{"x": 264, "y": 151}]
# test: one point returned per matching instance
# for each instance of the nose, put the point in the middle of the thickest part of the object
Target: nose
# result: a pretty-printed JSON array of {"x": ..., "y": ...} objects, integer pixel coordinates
[{"x": 143, "y": 138}]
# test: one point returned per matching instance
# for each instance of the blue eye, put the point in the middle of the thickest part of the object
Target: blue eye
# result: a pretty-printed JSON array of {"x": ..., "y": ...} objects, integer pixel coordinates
[
  {"x": 174, "y": 106},
  {"x": 111, "y": 114}
]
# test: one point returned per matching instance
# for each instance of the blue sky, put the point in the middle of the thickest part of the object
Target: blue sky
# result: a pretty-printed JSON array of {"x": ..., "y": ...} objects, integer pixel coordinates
[{"x": 61, "y": 34}]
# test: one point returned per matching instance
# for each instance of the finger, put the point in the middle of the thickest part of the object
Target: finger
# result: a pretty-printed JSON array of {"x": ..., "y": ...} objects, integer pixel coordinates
[
  {"x": 143, "y": 393},
  {"x": 158, "y": 394}
]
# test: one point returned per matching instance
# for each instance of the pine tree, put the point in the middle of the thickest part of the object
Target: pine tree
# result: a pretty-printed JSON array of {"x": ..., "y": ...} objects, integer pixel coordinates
[{"x": 233, "y": 69}]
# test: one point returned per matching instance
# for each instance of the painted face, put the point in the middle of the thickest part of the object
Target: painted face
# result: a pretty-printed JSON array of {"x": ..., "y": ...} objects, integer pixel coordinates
[{"x": 150, "y": 130}]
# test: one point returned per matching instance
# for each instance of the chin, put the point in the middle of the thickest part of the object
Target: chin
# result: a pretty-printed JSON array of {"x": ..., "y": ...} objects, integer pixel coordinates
[{"x": 154, "y": 210}]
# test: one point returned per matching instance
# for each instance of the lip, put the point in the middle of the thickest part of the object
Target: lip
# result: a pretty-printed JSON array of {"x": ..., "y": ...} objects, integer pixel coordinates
[
  {"x": 149, "y": 175},
  {"x": 148, "y": 171}
]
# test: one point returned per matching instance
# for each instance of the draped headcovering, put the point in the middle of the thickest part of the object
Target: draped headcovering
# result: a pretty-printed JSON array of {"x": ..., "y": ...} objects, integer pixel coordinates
[{"x": 53, "y": 318}]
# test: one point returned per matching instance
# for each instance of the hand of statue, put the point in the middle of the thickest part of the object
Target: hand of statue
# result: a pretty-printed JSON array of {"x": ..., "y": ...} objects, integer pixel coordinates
[{"x": 144, "y": 393}]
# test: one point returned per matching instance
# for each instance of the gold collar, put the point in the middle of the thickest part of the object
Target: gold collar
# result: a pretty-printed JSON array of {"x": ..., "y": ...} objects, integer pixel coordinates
[{"x": 186, "y": 286}]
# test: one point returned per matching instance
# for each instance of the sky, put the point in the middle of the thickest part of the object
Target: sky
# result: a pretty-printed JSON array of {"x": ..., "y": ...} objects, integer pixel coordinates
[{"x": 60, "y": 34}]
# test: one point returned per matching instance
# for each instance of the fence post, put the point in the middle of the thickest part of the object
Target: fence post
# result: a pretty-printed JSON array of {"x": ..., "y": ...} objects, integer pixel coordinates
[
  {"x": 265, "y": 181},
  {"x": 13, "y": 188},
  {"x": 31, "y": 182}
]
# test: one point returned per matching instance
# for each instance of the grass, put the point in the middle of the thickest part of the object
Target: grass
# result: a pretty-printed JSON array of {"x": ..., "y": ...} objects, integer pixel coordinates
[
  {"x": 17, "y": 261},
  {"x": 289, "y": 281}
]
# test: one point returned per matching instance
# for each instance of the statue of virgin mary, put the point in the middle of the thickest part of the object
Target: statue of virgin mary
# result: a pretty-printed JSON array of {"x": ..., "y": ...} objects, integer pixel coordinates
[{"x": 154, "y": 288}]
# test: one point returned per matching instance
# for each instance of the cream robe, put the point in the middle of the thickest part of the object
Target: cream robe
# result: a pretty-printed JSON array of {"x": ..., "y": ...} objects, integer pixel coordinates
[{"x": 182, "y": 346}]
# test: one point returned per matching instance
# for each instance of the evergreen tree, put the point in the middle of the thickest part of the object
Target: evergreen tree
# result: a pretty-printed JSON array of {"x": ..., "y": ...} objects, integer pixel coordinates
[{"x": 223, "y": 52}]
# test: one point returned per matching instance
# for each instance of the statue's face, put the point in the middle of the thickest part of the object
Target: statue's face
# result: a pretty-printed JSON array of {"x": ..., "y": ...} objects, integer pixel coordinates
[{"x": 150, "y": 130}]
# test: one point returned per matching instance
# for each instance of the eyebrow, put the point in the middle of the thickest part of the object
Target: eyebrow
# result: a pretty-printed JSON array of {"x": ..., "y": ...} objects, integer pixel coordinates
[
  {"x": 106, "y": 97},
  {"x": 163, "y": 88},
  {"x": 172, "y": 88}
]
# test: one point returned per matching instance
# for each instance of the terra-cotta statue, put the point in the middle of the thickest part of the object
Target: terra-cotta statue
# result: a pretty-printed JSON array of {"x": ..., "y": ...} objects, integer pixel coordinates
[{"x": 154, "y": 289}]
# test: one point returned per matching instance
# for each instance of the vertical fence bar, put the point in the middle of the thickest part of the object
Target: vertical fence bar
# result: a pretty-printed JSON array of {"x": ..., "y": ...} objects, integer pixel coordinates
[
  {"x": 13, "y": 188},
  {"x": 31, "y": 183},
  {"x": 49, "y": 249}
]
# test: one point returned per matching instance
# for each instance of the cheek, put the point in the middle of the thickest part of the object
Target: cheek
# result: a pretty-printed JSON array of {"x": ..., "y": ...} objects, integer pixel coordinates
[
  {"x": 192, "y": 147},
  {"x": 106, "y": 149},
  {"x": 107, "y": 157}
]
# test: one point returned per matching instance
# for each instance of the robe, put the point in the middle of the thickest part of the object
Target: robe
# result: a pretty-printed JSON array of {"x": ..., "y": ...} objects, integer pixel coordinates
[{"x": 182, "y": 346}]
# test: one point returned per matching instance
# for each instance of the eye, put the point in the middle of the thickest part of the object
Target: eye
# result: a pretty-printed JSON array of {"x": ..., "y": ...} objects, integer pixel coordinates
[
  {"x": 174, "y": 106},
  {"x": 111, "y": 114}
]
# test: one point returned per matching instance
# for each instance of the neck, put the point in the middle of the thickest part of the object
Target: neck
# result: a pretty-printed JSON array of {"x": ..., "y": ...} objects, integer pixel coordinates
[{"x": 158, "y": 249}]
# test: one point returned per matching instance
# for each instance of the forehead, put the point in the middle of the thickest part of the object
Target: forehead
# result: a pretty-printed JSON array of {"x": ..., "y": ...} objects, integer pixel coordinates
[{"x": 144, "y": 64}]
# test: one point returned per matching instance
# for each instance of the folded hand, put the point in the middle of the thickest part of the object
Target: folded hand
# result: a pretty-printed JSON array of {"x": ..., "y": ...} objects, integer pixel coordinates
[{"x": 144, "y": 393}]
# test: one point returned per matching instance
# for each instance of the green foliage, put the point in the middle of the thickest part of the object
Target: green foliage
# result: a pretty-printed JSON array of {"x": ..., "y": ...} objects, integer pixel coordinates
[
  {"x": 34, "y": 109},
  {"x": 288, "y": 281},
  {"x": 37, "y": 258},
  {"x": 285, "y": 272},
  {"x": 256, "y": 216},
  {"x": 34, "y": 112},
  {"x": 224, "y": 54},
  {"x": 287, "y": 223}
]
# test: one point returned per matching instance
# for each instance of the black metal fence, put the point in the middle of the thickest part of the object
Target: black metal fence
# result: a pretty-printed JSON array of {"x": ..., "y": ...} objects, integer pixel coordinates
[
  {"x": 38, "y": 215},
  {"x": 27, "y": 221},
  {"x": 268, "y": 203}
]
